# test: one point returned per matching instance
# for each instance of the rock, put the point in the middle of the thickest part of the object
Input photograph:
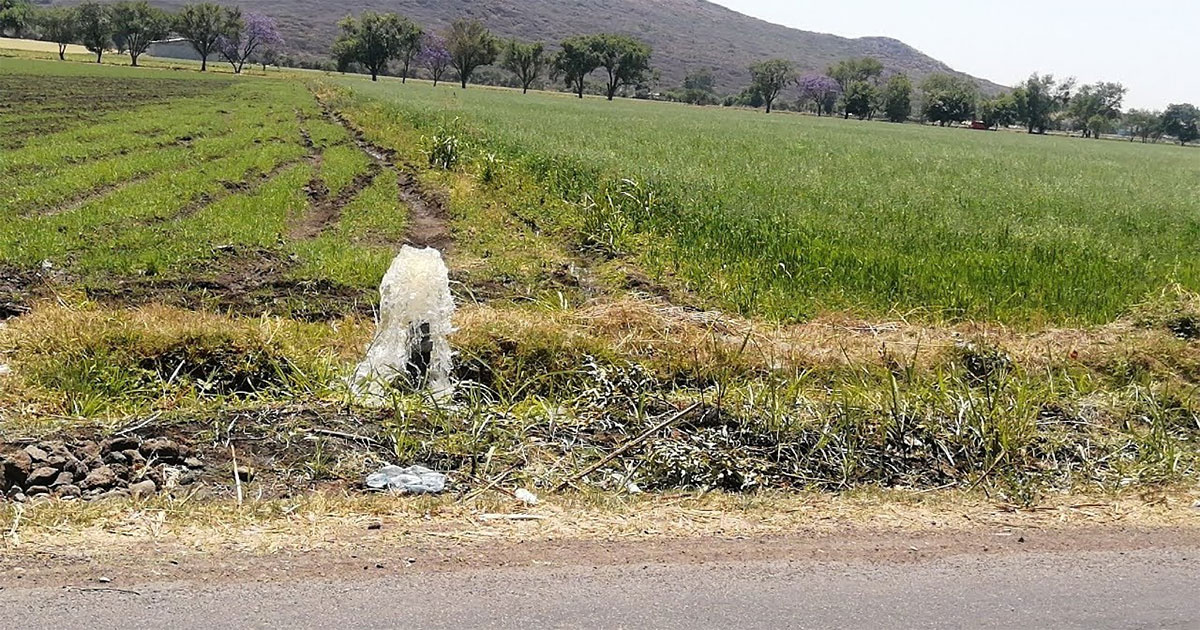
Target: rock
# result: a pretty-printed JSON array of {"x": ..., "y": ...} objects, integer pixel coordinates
[
  {"x": 64, "y": 478},
  {"x": 17, "y": 467},
  {"x": 135, "y": 459},
  {"x": 19, "y": 497},
  {"x": 89, "y": 453},
  {"x": 163, "y": 449},
  {"x": 112, "y": 494},
  {"x": 119, "y": 444},
  {"x": 102, "y": 477},
  {"x": 188, "y": 478},
  {"x": 42, "y": 476},
  {"x": 142, "y": 489},
  {"x": 68, "y": 490},
  {"x": 14, "y": 491},
  {"x": 37, "y": 491},
  {"x": 193, "y": 462},
  {"x": 115, "y": 457},
  {"x": 35, "y": 453},
  {"x": 122, "y": 473}
]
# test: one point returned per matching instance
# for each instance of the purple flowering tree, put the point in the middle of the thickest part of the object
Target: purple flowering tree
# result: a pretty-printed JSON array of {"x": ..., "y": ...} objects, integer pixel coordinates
[
  {"x": 435, "y": 57},
  {"x": 822, "y": 90},
  {"x": 258, "y": 32}
]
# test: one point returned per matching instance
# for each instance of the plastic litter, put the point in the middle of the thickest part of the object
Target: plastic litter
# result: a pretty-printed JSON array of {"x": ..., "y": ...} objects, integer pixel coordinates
[
  {"x": 411, "y": 480},
  {"x": 526, "y": 497}
]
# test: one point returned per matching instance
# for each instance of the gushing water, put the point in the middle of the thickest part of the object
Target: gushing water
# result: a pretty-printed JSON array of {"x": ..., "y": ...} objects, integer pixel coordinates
[{"x": 412, "y": 342}]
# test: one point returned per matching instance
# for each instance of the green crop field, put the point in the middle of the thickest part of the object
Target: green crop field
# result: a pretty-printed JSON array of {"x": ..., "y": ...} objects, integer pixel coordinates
[
  {"x": 791, "y": 216},
  {"x": 197, "y": 255},
  {"x": 142, "y": 181}
]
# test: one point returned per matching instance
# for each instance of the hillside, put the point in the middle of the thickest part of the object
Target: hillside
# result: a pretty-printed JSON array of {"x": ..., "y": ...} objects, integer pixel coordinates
[{"x": 685, "y": 34}]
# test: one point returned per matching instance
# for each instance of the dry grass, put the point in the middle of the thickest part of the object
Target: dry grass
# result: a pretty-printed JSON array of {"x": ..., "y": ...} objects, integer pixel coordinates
[
  {"x": 321, "y": 521},
  {"x": 647, "y": 328}
]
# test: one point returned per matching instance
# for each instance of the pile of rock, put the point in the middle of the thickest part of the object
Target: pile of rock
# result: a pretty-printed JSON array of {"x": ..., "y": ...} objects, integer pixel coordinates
[{"x": 119, "y": 466}]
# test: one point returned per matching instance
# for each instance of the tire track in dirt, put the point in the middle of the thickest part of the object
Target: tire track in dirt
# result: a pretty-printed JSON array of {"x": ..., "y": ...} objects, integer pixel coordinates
[
  {"x": 428, "y": 217},
  {"x": 325, "y": 211}
]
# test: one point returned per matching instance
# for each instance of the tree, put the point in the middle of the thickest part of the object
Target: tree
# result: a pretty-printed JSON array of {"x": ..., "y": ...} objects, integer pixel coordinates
[
  {"x": 372, "y": 41},
  {"x": 1000, "y": 111},
  {"x": 699, "y": 88},
  {"x": 1094, "y": 108},
  {"x": 58, "y": 25},
  {"x": 851, "y": 71},
  {"x": 435, "y": 57},
  {"x": 257, "y": 31},
  {"x": 1144, "y": 124},
  {"x": 948, "y": 98},
  {"x": 136, "y": 24},
  {"x": 769, "y": 78},
  {"x": 527, "y": 61},
  {"x": 344, "y": 49},
  {"x": 1039, "y": 99},
  {"x": 897, "y": 98},
  {"x": 204, "y": 25},
  {"x": 574, "y": 62},
  {"x": 822, "y": 90},
  {"x": 860, "y": 100},
  {"x": 95, "y": 27},
  {"x": 15, "y": 16},
  {"x": 471, "y": 45},
  {"x": 625, "y": 59},
  {"x": 410, "y": 37},
  {"x": 1183, "y": 122}
]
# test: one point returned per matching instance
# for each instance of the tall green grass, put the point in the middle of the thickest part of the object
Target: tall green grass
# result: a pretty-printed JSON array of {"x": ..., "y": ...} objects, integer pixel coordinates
[{"x": 789, "y": 216}]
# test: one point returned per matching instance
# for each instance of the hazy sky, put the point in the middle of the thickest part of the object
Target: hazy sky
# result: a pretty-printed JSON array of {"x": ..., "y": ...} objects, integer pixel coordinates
[{"x": 1152, "y": 46}]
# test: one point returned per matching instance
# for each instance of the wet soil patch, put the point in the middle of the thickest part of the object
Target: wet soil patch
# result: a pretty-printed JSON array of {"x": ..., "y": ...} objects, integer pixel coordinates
[
  {"x": 247, "y": 282},
  {"x": 429, "y": 219},
  {"x": 17, "y": 288},
  {"x": 326, "y": 210}
]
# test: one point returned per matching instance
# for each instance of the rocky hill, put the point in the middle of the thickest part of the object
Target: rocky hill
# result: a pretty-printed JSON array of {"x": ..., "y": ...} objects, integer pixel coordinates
[{"x": 685, "y": 34}]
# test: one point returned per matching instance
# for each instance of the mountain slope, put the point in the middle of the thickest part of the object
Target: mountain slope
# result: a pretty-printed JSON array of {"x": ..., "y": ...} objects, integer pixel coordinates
[{"x": 685, "y": 34}]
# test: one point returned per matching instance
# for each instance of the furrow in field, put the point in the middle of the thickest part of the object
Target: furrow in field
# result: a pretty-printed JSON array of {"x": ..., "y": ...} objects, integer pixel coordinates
[
  {"x": 30, "y": 240},
  {"x": 127, "y": 131},
  {"x": 325, "y": 209}
]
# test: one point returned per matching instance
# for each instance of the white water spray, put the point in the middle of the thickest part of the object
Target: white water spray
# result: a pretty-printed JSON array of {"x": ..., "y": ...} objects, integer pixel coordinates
[{"x": 412, "y": 343}]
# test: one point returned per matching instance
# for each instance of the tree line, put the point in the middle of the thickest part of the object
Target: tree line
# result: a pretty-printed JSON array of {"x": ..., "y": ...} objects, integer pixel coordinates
[
  {"x": 857, "y": 87},
  {"x": 373, "y": 41},
  {"x": 131, "y": 26}
]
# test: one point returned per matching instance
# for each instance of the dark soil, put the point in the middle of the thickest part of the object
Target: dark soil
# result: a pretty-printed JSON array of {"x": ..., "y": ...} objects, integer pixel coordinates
[
  {"x": 248, "y": 282},
  {"x": 429, "y": 219},
  {"x": 325, "y": 211},
  {"x": 17, "y": 288}
]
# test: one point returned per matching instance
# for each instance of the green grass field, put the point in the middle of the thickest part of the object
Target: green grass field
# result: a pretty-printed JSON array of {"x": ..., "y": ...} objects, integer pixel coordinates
[
  {"x": 790, "y": 216},
  {"x": 113, "y": 173},
  {"x": 187, "y": 250}
]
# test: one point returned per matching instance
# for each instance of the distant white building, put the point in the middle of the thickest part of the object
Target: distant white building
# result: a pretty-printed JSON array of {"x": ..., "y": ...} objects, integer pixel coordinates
[{"x": 173, "y": 48}]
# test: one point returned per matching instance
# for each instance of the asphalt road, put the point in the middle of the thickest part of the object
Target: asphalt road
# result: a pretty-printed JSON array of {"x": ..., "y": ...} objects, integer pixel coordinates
[{"x": 1132, "y": 589}]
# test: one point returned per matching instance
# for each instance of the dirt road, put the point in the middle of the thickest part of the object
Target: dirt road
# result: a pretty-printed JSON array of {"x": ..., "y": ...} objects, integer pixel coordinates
[{"x": 1060, "y": 579}]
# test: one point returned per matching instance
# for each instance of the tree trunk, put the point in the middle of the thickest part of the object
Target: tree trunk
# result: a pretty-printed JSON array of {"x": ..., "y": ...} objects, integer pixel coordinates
[
  {"x": 203, "y": 63},
  {"x": 769, "y": 107},
  {"x": 133, "y": 59},
  {"x": 374, "y": 75},
  {"x": 62, "y": 52},
  {"x": 99, "y": 54}
]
